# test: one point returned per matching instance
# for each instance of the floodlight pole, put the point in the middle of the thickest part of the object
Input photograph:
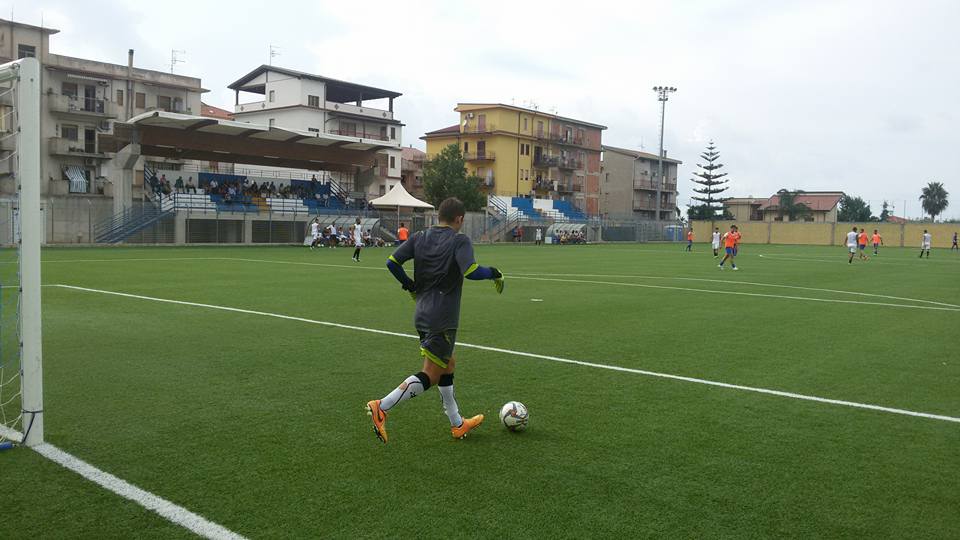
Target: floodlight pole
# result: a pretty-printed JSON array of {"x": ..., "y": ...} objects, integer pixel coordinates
[
  {"x": 31, "y": 236},
  {"x": 663, "y": 94}
]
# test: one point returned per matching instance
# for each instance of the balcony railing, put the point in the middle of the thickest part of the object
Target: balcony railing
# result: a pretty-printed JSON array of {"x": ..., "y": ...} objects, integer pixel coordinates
[
  {"x": 60, "y": 146},
  {"x": 644, "y": 183},
  {"x": 479, "y": 156},
  {"x": 486, "y": 128},
  {"x": 545, "y": 162},
  {"x": 78, "y": 105},
  {"x": 643, "y": 204},
  {"x": 561, "y": 138},
  {"x": 570, "y": 163},
  {"x": 358, "y": 134}
]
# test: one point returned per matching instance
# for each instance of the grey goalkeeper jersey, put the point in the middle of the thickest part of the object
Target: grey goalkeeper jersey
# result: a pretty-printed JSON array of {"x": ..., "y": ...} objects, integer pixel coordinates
[{"x": 441, "y": 257}]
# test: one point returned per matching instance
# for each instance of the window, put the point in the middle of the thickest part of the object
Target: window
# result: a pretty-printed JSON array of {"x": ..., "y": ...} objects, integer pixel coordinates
[
  {"x": 383, "y": 133},
  {"x": 393, "y": 133},
  {"x": 164, "y": 103},
  {"x": 140, "y": 100},
  {"x": 120, "y": 97},
  {"x": 539, "y": 128},
  {"x": 466, "y": 148},
  {"x": 348, "y": 128},
  {"x": 313, "y": 101},
  {"x": 524, "y": 123},
  {"x": 271, "y": 122},
  {"x": 26, "y": 51},
  {"x": 71, "y": 133},
  {"x": 68, "y": 89},
  {"x": 314, "y": 130},
  {"x": 273, "y": 96},
  {"x": 393, "y": 162}
]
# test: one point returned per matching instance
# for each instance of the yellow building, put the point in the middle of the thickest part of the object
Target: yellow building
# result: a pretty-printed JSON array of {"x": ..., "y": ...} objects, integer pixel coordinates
[{"x": 524, "y": 152}]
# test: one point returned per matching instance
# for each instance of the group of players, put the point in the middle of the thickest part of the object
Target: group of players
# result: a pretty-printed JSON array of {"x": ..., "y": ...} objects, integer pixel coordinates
[{"x": 857, "y": 243}]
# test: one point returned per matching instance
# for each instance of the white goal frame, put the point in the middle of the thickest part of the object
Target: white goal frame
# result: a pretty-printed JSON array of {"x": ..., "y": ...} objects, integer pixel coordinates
[{"x": 25, "y": 73}]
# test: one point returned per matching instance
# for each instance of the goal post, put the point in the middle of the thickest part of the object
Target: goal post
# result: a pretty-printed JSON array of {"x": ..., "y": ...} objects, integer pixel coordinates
[{"x": 24, "y": 76}]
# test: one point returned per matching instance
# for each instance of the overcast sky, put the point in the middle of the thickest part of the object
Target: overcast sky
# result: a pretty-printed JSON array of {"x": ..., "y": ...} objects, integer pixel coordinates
[{"x": 858, "y": 96}]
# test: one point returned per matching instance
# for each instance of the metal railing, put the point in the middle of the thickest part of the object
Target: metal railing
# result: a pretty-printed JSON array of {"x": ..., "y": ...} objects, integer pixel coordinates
[
  {"x": 358, "y": 134},
  {"x": 479, "y": 156},
  {"x": 81, "y": 105}
]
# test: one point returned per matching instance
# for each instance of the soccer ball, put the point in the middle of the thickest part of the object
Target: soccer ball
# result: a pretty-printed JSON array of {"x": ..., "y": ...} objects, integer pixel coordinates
[{"x": 514, "y": 416}]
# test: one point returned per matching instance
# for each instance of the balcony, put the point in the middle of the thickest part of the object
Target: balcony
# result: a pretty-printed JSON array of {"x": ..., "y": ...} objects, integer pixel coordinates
[
  {"x": 644, "y": 204},
  {"x": 570, "y": 163},
  {"x": 545, "y": 162},
  {"x": 479, "y": 156},
  {"x": 378, "y": 114},
  {"x": 358, "y": 134},
  {"x": 643, "y": 183},
  {"x": 75, "y": 105},
  {"x": 561, "y": 138},
  {"x": 67, "y": 147},
  {"x": 485, "y": 128}
]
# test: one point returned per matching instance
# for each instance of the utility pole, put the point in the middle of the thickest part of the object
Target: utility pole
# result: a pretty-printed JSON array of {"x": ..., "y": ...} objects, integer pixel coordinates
[{"x": 663, "y": 94}]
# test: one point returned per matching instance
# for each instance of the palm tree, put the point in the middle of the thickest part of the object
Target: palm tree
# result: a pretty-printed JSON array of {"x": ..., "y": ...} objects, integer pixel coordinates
[
  {"x": 934, "y": 199},
  {"x": 788, "y": 205}
]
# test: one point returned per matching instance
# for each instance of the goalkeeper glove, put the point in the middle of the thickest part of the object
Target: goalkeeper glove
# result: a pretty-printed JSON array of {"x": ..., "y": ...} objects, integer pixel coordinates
[
  {"x": 411, "y": 288},
  {"x": 497, "y": 280}
]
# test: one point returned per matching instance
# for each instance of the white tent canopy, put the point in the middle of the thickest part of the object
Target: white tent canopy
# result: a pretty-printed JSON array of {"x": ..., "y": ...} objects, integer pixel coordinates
[{"x": 399, "y": 198}]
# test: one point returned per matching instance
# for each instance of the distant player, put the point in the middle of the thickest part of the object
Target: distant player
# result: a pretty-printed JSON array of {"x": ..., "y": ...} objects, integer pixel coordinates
[
  {"x": 954, "y": 246},
  {"x": 715, "y": 242},
  {"x": 852, "y": 244},
  {"x": 539, "y": 236},
  {"x": 332, "y": 241},
  {"x": 442, "y": 258},
  {"x": 877, "y": 242},
  {"x": 690, "y": 240},
  {"x": 862, "y": 244},
  {"x": 402, "y": 234},
  {"x": 925, "y": 243},
  {"x": 730, "y": 241},
  {"x": 356, "y": 232},
  {"x": 314, "y": 232}
]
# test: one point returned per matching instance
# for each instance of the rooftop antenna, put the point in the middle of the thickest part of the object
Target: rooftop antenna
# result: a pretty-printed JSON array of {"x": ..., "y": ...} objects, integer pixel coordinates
[
  {"x": 175, "y": 58},
  {"x": 274, "y": 51},
  {"x": 642, "y": 148}
]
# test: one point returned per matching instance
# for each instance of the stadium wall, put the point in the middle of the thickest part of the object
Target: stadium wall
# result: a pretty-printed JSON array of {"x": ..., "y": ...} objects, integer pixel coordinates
[{"x": 828, "y": 234}]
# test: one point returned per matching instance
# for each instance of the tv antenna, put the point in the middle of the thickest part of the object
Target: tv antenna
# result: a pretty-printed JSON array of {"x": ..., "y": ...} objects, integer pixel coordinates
[
  {"x": 274, "y": 51},
  {"x": 175, "y": 58}
]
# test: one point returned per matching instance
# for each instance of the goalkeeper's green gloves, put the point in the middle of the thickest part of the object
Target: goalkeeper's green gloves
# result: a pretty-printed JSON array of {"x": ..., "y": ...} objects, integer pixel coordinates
[{"x": 497, "y": 280}]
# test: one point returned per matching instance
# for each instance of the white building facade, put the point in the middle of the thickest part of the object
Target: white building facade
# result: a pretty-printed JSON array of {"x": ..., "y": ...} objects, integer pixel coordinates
[{"x": 302, "y": 101}]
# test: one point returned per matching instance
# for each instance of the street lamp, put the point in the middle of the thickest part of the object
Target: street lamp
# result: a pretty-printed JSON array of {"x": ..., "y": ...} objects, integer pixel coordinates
[{"x": 663, "y": 94}]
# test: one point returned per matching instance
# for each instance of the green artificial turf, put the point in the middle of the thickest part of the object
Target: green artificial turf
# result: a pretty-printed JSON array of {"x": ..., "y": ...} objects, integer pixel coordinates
[{"x": 257, "y": 423}]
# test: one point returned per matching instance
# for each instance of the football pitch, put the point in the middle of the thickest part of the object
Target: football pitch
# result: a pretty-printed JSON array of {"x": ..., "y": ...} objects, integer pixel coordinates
[{"x": 800, "y": 396}]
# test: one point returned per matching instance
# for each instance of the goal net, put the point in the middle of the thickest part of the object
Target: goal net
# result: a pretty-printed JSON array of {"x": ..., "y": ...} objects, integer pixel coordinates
[{"x": 21, "y": 393}]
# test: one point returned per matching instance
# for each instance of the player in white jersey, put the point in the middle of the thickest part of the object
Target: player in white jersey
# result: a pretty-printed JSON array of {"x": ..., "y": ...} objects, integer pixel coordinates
[
  {"x": 715, "y": 242},
  {"x": 314, "y": 232},
  {"x": 925, "y": 243},
  {"x": 356, "y": 232},
  {"x": 333, "y": 236},
  {"x": 852, "y": 244}
]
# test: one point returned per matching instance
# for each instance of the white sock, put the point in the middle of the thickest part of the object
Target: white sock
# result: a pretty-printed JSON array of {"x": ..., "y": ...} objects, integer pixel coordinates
[
  {"x": 450, "y": 403},
  {"x": 411, "y": 387}
]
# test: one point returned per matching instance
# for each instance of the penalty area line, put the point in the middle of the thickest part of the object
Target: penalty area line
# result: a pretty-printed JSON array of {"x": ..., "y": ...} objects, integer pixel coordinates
[
  {"x": 669, "y": 376},
  {"x": 171, "y": 512}
]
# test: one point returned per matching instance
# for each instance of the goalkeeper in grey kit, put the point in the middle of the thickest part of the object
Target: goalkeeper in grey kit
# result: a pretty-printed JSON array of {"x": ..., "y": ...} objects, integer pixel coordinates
[{"x": 442, "y": 258}]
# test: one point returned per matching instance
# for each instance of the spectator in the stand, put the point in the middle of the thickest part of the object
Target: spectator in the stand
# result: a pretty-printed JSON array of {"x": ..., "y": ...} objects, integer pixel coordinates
[
  {"x": 167, "y": 189},
  {"x": 254, "y": 188},
  {"x": 178, "y": 185},
  {"x": 314, "y": 184},
  {"x": 213, "y": 185},
  {"x": 190, "y": 187}
]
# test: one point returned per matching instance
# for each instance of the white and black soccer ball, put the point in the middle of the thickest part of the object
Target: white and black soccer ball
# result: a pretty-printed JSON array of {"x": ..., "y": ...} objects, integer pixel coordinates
[{"x": 514, "y": 416}]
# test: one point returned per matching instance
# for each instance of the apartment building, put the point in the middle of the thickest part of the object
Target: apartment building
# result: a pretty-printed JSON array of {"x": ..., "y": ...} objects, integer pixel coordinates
[
  {"x": 630, "y": 185},
  {"x": 521, "y": 152},
  {"x": 81, "y": 100},
  {"x": 308, "y": 102}
]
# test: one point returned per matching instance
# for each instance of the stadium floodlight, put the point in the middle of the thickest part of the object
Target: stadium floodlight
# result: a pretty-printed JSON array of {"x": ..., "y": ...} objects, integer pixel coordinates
[
  {"x": 663, "y": 94},
  {"x": 22, "y": 79}
]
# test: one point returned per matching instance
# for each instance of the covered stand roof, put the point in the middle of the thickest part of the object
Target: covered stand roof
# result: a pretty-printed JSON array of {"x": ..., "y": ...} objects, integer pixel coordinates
[
  {"x": 398, "y": 197},
  {"x": 337, "y": 90},
  {"x": 184, "y": 136}
]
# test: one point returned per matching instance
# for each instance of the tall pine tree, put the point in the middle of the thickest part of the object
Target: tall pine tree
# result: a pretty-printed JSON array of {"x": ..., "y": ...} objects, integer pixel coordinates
[{"x": 710, "y": 184}]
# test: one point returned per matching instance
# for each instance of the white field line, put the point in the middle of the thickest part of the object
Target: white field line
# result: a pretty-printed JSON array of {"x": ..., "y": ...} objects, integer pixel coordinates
[
  {"x": 738, "y": 293},
  {"x": 945, "y": 306},
  {"x": 166, "y": 509},
  {"x": 767, "y": 391},
  {"x": 733, "y": 282},
  {"x": 843, "y": 258}
]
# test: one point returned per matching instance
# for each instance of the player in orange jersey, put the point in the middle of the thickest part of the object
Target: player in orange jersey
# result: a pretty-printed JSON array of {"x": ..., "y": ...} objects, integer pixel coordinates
[{"x": 730, "y": 241}]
